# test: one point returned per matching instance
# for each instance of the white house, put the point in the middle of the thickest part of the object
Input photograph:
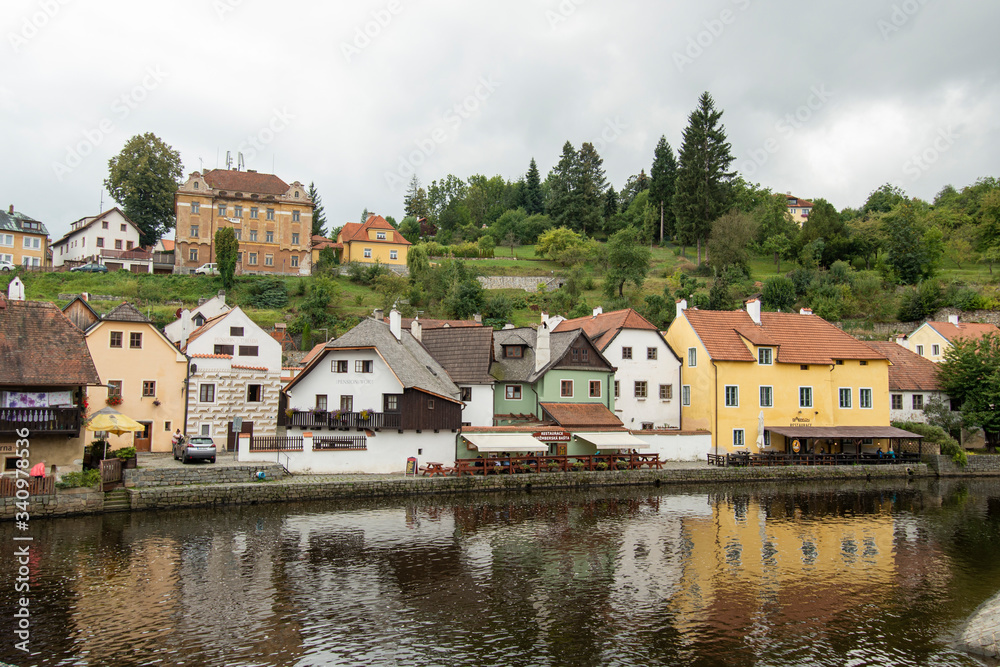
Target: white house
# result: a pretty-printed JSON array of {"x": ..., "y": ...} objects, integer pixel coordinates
[
  {"x": 368, "y": 401},
  {"x": 235, "y": 379},
  {"x": 181, "y": 328},
  {"x": 647, "y": 379},
  {"x": 88, "y": 237},
  {"x": 913, "y": 382}
]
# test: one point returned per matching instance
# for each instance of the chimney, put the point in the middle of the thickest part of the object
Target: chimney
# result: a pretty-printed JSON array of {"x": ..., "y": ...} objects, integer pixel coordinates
[
  {"x": 378, "y": 314},
  {"x": 806, "y": 311},
  {"x": 85, "y": 296},
  {"x": 953, "y": 319},
  {"x": 543, "y": 349},
  {"x": 11, "y": 209},
  {"x": 508, "y": 326},
  {"x": 416, "y": 329},
  {"x": 682, "y": 305},
  {"x": 753, "y": 310},
  {"x": 185, "y": 328},
  {"x": 545, "y": 318},
  {"x": 478, "y": 317},
  {"x": 396, "y": 324},
  {"x": 598, "y": 311}
]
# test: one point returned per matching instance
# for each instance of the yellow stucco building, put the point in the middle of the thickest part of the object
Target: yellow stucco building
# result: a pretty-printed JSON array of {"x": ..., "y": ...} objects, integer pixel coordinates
[
  {"x": 374, "y": 241},
  {"x": 770, "y": 382},
  {"x": 24, "y": 241},
  {"x": 145, "y": 369},
  {"x": 932, "y": 339}
]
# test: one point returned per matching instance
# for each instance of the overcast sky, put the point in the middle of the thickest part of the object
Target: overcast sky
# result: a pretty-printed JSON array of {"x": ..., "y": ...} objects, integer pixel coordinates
[{"x": 823, "y": 99}]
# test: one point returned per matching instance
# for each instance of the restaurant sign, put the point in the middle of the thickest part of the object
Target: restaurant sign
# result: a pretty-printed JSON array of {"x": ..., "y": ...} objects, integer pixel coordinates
[{"x": 552, "y": 436}]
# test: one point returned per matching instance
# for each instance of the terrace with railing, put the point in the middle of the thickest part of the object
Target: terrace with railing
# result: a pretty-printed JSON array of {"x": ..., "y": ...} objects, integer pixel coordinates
[
  {"x": 40, "y": 421},
  {"x": 337, "y": 420}
]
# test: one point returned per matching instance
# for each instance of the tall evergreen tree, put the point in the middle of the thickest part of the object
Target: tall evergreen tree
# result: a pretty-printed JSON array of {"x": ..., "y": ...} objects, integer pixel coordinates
[
  {"x": 589, "y": 191},
  {"x": 319, "y": 217},
  {"x": 662, "y": 175},
  {"x": 533, "y": 202},
  {"x": 415, "y": 202},
  {"x": 561, "y": 181},
  {"x": 701, "y": 191}
]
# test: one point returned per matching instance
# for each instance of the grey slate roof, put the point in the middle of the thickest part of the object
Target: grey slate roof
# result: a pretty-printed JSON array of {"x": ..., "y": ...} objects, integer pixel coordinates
[
  {"x": 407, "y": 358},
  {"x": 466, "y": 353},
  {"x": 126, "y": 312},
  {"x": 15, "y": 223},
  {"x": 523, "y": 369}
]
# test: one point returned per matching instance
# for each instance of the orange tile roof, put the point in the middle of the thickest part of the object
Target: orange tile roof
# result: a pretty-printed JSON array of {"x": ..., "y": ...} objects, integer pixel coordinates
[
  {"x": 799, "y": 339},
  {"x": 581, "y": 415},
  {"x": 909, "y": 371},
  {"x": 245, "y": 181},
  {"x": 603, "y": 328},
  {"x": 211, "y": 356},
  {"x": 209, "y": 323},
  {"x": 317, "y": 348},
  {"x": 799, "y": 202},
  {"x": 352, "y": 231},
  {"x": 970, "y": 330},
  {"x": 251, "y": 368},
  {"x": 168, "y": 245},
  {"x": 319, "y": 242}
]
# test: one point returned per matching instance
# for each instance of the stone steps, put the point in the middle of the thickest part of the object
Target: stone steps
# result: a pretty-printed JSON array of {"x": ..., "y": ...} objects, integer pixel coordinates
[{"x": 117, "y": 501}]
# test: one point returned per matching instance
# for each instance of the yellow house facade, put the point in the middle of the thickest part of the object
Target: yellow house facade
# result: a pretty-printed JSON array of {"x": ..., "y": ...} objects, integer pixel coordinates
[
  {"x": 374, "y": 241},
  {"x": 145, "y": 370},
  {"x": 759, "y": 380},
  {"x": 24, "y": 241},
  {"x": 932, "y": 339}
]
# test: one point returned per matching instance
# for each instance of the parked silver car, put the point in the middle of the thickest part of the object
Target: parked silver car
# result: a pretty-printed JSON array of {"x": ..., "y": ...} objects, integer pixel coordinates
[{"x": 195, "y": 447}]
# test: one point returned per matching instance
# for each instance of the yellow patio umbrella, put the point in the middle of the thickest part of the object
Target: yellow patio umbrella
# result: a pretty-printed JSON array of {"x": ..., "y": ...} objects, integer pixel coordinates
[{"x": 112, "y": 421}]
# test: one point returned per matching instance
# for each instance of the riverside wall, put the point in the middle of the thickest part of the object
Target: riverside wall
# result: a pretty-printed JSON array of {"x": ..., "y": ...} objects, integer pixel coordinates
[{"x": 303, "y": 488}]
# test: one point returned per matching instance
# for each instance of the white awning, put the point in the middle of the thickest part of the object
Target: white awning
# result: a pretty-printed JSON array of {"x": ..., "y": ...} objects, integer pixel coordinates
[
  {"x": 613, "y": 440},
  {"x": 505, "y": 442}
]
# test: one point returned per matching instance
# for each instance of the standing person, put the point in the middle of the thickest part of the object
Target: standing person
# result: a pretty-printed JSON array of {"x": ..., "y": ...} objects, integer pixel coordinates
[{"x": 177, "y": 437}]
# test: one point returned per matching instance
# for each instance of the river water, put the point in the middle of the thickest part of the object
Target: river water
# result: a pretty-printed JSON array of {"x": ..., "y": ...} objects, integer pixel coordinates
[{"x": 818, "y": 574}]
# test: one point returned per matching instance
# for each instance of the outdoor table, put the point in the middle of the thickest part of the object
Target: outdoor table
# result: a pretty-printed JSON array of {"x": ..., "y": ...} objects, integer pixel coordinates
[{"x": 435, "y": 469}]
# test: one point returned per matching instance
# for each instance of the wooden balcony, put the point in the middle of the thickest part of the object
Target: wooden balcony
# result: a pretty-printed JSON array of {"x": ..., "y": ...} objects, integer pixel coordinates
[
  {"x": 40, "y": 421},
  {"x": 309, "y": 419}
]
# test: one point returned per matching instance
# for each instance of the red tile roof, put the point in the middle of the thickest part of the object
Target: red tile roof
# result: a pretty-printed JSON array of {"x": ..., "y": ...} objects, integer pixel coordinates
[
  {"x": 581, "y": 415},
  {"x": 352, "y": 231},
  {"x": 211, "y": 356},
  {"x": 909, "y": 371},
  {"x": 317, "y": 348},
  {"x": 319, "y": 242},
  {"x": 799, "y": 339},
  {"x": 39, "y": 346},
  {"x": 800, "y": 203},
  {"x": 209, "y": 323},
  {"x": 245, "y": 181},
  {"x": 251, "y": 368},
  {"x": 603, "y": 328},
  {"x": 970, "y": 330}
]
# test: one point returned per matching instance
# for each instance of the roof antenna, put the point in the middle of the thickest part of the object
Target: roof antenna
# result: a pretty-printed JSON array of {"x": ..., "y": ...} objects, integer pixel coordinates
[
  {"x": 240, "y": 164},
  {"x": 229, "y": 160}
]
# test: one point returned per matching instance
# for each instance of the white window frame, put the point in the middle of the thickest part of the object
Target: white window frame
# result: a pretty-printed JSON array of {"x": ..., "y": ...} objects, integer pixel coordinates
[
  {"x": 861, "y": 398},
  {"x": 935, "y": 350},
  {"x": 205, "y": 428},
  {"x": 770, "y": 395},
  {"x": 368, "y": 253},
  {"x": 686, "y": 395},
  {"x": 802, "y": 403},
  {"x": 739, "y": 437},
  {"x": 692, "y": 357},
  {"x": 761, "y": 354},
  {"x": 393, "y": 254},
  {"x": 920, "y": 350},
  {"x": 850, "y": 398},
  {"x": 736, "y": 396}
]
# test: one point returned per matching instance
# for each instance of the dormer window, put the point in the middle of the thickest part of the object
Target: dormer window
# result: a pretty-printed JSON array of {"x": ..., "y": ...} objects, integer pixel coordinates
[
  {"x": 513, "y": 351},
  {"x": 765, "y": 356},
  {"x": 196, "y": 185},
  {"x": 380, "y": 236}
]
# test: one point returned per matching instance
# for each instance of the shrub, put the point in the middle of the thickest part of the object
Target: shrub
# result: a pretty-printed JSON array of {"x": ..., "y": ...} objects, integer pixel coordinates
[
  {"x": 936, "y": 435},
  {"x": 74, "y": 480},
  {"x": 268, "y": 293},
  {"x": 779, "y": 294}
]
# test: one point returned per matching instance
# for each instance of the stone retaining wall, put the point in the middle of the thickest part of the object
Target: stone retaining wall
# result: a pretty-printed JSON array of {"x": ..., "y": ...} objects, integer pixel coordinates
[
  {"x": 984, "y": 464},
  {"x": 526, "y": 283},
  {"x": 61, "y": 503},
  {"x": 152, "y": 477}
]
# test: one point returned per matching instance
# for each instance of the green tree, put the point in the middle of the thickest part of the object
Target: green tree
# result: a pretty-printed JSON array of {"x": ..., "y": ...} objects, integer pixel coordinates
[
  {"x": 143, "y": 178},
  {"x": 560, "y": 186},
  {"x": 533, "y": 202},
  {"x": 415, "y": 201},
  {"x": 226, "y": 248},
  {"x": 701, "y": 191},
  {"x": 391, "y": 287},
  {"x": 779, "y": 294},
  {"x": 884, "y": 199},
  {"x": 410, "y": 229},
  {"x": 319, "y": 216},
  {"x": 628, "y": 260},
  {"x": 970, "y": 374},
  {"x": 732, "y": 237},
  {"x": 318, "y": 309},
  {"x": 905, "y": 251},
  {"x": 824, "y": 223},
  {"x": 662, "y": 176},
  {"x": 555, "y": 241}
]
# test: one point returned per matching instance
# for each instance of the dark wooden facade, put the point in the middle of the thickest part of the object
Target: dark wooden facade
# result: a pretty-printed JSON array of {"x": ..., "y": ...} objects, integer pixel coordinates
[{"x": 418, "y": 414}]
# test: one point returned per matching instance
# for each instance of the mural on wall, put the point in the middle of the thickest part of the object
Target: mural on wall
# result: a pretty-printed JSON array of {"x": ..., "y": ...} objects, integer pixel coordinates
[{"x": 35, "y": 399}]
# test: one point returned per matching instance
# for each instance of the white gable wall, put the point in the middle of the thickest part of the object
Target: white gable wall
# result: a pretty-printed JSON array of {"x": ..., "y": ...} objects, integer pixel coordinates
[
  {"x": 366, "y": 388},
  {"x": 478, "y": 411},
  {"x": 268, "y": 349},
  {"x": 82, "y": 244},
  {"x": 665, "y": 369}
]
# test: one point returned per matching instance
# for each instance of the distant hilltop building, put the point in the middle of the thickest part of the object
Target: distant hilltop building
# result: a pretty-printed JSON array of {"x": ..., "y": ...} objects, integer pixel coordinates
[
  {"x": 798, "y": 208},
  {"x": 272, "y": 220},
  {"x": 23, "y": 240}
]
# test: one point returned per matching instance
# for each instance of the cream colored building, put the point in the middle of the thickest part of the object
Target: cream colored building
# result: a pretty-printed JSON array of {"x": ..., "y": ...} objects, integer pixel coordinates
[
  {"x": 932, "y": 339},
  {"x": 272, "y": 221},
  {"x": 145, "y": 370}
]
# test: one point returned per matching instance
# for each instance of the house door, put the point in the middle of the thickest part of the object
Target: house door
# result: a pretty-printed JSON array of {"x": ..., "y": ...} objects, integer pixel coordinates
[
  {"x": 247, "y": 427},
  {"x": 143, "y": 440}
]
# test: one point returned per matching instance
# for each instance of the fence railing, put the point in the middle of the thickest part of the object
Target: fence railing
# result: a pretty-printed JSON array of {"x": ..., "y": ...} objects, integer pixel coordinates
[
  {"x": 309, "y": 419},
  {"x": 37, "y": 486},
  {"x": 111, "y": 474},
  {"x": 275, "y": 443},
  {"x": 768, "y": 459},
  {"x": 505, "y": 465},
  {"x": 40, "y": 420},
  {"x": 339, "y": 442}
]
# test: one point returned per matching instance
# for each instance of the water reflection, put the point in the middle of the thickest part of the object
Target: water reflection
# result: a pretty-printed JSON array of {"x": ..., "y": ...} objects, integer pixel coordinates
[{"x": 817, "y": 574}]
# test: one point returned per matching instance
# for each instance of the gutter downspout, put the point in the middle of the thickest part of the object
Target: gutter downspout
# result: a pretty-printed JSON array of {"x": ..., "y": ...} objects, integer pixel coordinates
[
  {"x": 716, "y": 410},
  {"x": 187, "y": 394}
]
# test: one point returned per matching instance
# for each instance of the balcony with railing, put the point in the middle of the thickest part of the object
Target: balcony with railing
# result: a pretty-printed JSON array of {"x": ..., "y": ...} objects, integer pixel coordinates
[
  {"x": 40, "y": 421},
  {"x": 338, "y": 420}
]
